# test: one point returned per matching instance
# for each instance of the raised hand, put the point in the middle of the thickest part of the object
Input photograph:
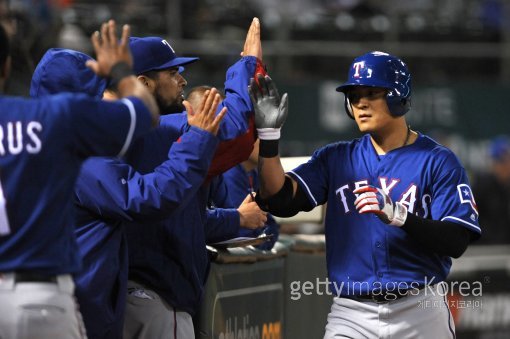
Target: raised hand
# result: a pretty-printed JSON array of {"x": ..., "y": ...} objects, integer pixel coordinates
[
  {"x": 250, "y": 214},
  {"x": 252, "y": 44},
  {"x": 108, "y": 50},
  {"x": 374, "y": 200},
  {"x": 205, "y": 117},
  {"x": 270, "y": 110}
]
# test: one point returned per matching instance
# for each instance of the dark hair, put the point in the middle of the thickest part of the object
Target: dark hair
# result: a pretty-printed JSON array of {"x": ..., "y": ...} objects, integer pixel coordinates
[
  {"x": 4, "y": 46},
  {"x": 198, "y": 90}
]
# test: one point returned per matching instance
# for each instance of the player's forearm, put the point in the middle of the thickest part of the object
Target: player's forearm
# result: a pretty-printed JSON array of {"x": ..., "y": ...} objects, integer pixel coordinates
[
  {"x": 442, "y": 237},
  {"x": 130, "y": 86},
  {"x": 271, "y": 176},
  {"x": 221, "y": 224}
]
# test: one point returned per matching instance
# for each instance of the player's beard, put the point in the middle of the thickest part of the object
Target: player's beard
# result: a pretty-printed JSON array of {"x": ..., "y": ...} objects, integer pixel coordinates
[{"x": 166, "y": 108}]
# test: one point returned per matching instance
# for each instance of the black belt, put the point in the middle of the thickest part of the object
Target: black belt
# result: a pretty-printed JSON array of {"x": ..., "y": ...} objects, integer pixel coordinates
[
  {"x": 27, "y": 276},
  {"x": 380, "y": 297}
]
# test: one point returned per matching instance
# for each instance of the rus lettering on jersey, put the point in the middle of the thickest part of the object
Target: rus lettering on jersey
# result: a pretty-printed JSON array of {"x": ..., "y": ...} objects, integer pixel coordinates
[{"x": 17, "y": 136}]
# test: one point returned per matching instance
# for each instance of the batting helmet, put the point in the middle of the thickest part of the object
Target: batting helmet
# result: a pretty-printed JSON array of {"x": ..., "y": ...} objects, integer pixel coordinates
[{"x": 379, "y": 69}]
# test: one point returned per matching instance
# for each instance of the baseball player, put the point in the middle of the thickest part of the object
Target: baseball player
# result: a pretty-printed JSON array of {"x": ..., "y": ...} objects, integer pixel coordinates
[
  {"x": 399, "y": 206},
  {"x": 168, "y": 262},
  {"x": 42, "y": 146},
  {"x": 103, "y": 200}
]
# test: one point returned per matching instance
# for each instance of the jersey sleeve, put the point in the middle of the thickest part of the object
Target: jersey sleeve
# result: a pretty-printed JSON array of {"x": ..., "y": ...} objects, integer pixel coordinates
[
  {"x": 237, "y": 130},
  {"x": 452, "y": 200},
  {"x": 106, "y": 128},
  {"x": 221, "y": 224},
  {"x": 233, "y": 152},
  {"x": 113, "y": 189},
  {"x": 237, "y": 99},
  {"x": 177, "y": 122},
  {"x": 312, "y": 177},
  {"x": 220, "y": 194}
]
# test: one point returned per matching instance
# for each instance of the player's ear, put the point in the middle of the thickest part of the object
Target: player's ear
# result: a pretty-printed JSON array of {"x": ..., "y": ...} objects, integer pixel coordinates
[{"x": 147, "y": 82}]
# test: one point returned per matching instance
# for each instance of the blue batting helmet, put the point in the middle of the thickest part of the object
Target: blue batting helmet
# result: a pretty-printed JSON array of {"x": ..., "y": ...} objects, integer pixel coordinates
[{"x": 379, "y": 69}]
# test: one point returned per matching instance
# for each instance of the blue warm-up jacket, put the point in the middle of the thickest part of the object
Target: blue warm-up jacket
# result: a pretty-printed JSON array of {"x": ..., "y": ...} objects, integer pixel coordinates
[
  {"x": 108, "y": 191},
  {"x": 170, "y": 256},
  {"x": 101, "y": 286}
]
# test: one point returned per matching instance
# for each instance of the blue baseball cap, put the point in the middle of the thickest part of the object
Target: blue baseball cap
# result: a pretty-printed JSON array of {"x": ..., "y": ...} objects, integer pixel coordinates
[
  {"x": 64, "y": 70},
  {"x": 155, "y": 53},
  {"x": 499, "y": 147}
]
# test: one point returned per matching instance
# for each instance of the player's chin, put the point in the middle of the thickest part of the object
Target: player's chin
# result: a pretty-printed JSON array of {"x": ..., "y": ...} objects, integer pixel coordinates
[{"x": 365, "y": 127}]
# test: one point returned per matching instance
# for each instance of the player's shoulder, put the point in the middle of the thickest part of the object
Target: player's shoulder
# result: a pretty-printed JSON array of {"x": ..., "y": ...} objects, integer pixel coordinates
[
  {"x": 438, "y": 153},
  {"x": 45, "y": 106},
  {"x": 430, "y": 145},
  {"x": 64, "y": 102},
  {"x": 345, "y": 144},
  {"x": 343, "y": 147}
]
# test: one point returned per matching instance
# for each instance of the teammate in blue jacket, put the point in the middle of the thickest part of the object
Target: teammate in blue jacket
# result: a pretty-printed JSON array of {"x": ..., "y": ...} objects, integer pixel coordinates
[
  {"x": 43, "y": 145},
  {"x": 168, "y": 262},
  {"x": 232, "y": 210},
  {"x": 237, "y": 187},
  {"x": 399, "y": 206},
  {"x": 108, "y": 191}
]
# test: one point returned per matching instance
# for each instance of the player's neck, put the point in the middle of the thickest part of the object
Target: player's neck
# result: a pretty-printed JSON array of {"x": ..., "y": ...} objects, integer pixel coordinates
[{"x": 390, "y": 139}]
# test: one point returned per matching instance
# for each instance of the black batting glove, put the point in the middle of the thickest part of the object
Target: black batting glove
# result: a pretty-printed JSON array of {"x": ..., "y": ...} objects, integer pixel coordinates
[{"x": 270, "y": 110}]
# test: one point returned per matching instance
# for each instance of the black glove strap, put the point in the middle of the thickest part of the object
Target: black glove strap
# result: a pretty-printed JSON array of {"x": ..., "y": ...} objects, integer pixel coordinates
[
  {"x": 118, "y": 72},
  {"x": 268, "y": 148}
]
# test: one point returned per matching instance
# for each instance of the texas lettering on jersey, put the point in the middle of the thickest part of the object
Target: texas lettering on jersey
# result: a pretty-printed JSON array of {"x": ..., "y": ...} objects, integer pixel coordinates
[
  {"x": 16, "y": 136},
  {"x": 408, "y": 198}
]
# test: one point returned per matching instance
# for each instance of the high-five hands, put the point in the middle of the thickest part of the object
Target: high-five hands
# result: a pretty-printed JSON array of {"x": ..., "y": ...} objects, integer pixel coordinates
[
  {"x": 252, "y": 44},
  {"x": 108, "y": 50},
  {"x": 373, "y": 200},
  {"x": 270, "y": 110}
]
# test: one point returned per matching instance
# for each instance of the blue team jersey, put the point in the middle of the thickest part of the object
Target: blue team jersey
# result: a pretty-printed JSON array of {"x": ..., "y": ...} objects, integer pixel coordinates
[
  {"x": 42, "y": 145},
  {"x": 424, "y": 176}
]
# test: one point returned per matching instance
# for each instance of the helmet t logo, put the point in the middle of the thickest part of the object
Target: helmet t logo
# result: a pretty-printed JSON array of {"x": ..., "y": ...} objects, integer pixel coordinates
[{"x": 357, "y": 66}]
